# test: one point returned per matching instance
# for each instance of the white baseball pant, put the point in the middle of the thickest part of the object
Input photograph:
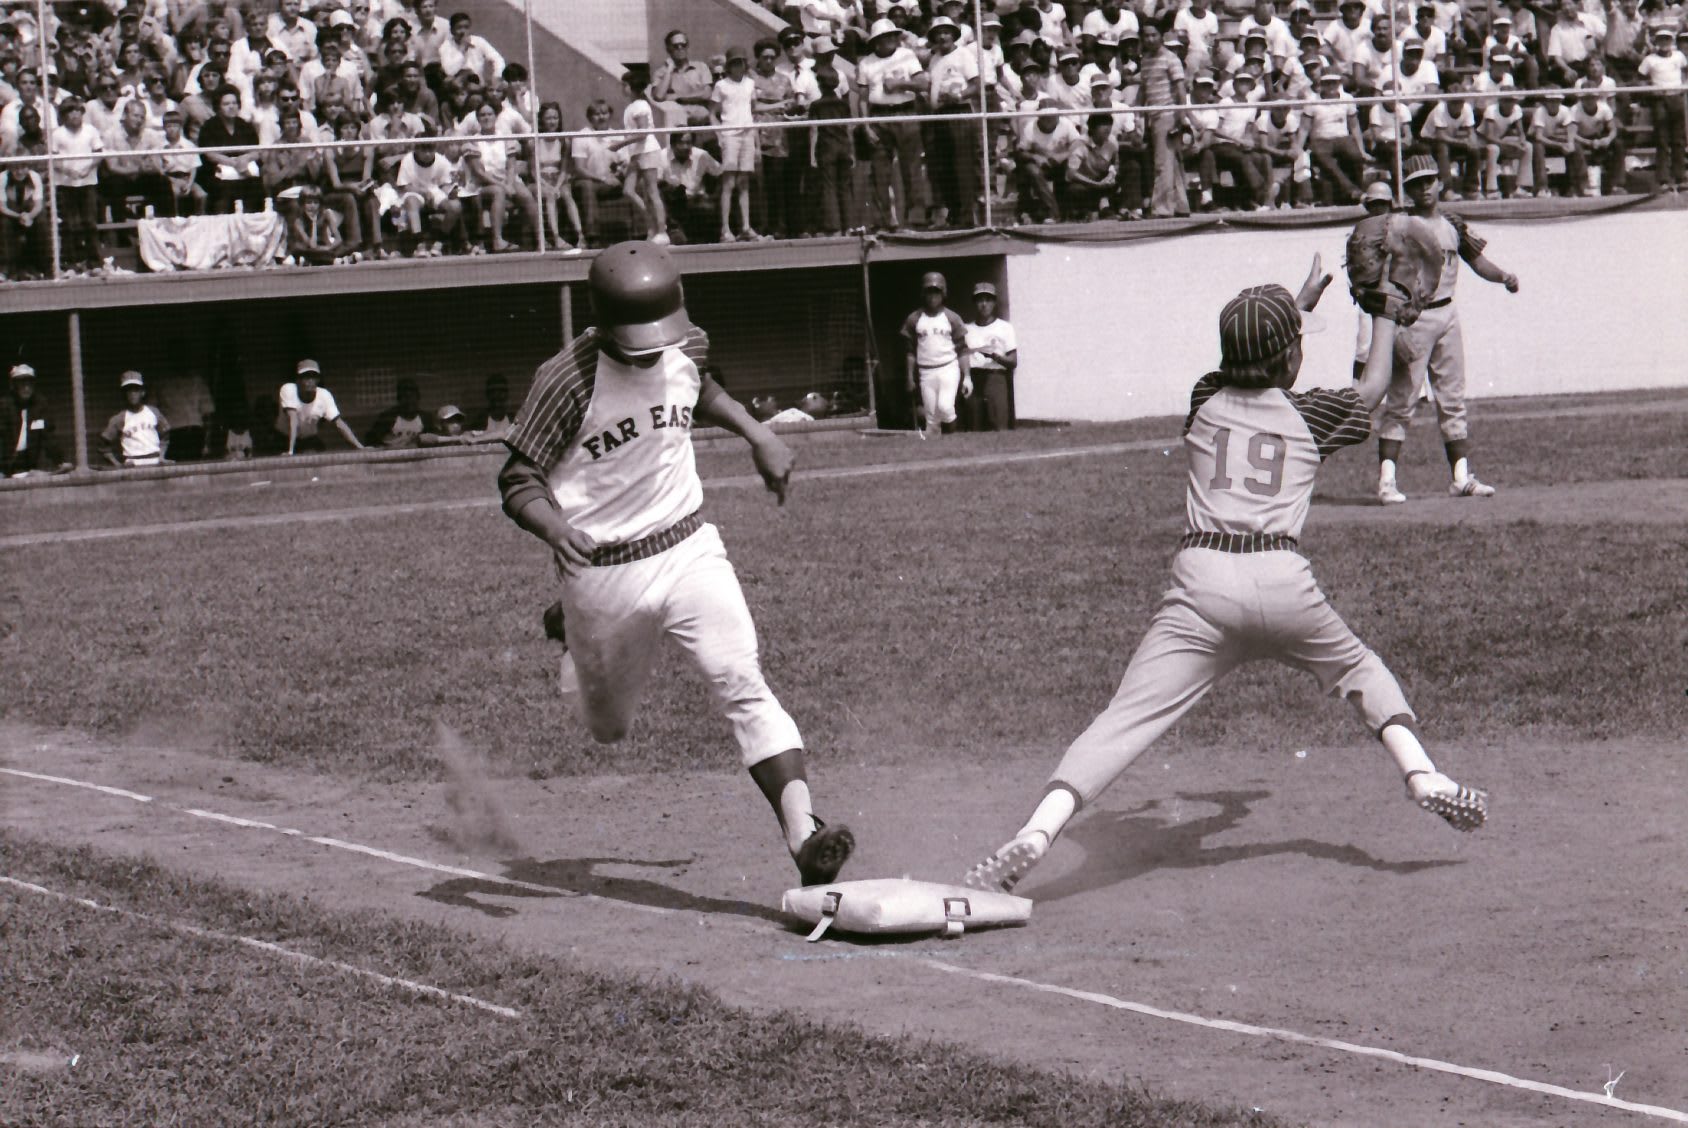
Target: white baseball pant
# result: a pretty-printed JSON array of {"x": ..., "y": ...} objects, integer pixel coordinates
[
  {"x": 1430, "y": 348},
  {"x": 938, "y": 387},
  {"x": 616, "y": 616}
]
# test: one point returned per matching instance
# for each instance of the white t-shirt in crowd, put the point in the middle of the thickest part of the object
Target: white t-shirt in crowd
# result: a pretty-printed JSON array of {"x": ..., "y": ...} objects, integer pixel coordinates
[
  {"x": 737, "y": 100},
  {"x": 872, "y": 73},
  {"x": 998, "y": 337},
  {"x": 1664, "y": 70},
  {"x": 1330, "y": 119},
  {"x": 82, "y": 146},
  {"x": 321, "y": 409}
]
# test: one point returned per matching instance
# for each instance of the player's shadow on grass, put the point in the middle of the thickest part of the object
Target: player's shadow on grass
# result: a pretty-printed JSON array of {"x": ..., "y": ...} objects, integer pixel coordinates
[
  {"x": 573, "y": 877},
  {"x": 1128, "y": 844}
]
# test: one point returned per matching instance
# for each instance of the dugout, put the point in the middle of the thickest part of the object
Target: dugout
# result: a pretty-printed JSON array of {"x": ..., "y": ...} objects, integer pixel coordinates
[{"x": 784, "y": 320}]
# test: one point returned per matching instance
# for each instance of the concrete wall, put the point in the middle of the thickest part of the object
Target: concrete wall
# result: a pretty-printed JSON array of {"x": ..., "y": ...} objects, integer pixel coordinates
[
  {"x": 1121, "y": 332},
  {"x": 569, "y": 69},
  {"x": 710, "y": 25}
]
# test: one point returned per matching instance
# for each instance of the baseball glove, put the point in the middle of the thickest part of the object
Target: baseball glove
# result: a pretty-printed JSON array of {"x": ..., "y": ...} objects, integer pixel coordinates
[{"x": 1394, "y": 264}]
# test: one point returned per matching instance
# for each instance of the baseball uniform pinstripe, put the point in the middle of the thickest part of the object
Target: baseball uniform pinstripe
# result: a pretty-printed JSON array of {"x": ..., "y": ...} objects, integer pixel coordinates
[
  {"x": 1241, "y": 591},
  {"x": 613, "y": 441}
]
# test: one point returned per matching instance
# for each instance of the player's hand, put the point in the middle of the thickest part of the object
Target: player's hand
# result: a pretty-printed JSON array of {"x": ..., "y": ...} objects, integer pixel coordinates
[
  {"x": 966, "y": 388},
  {"x": 1511, "y": 283},
  {"x": 1314, "y": 288},
  {"x": 573, "y": 547},
  {"x": 774, "y": 461}
]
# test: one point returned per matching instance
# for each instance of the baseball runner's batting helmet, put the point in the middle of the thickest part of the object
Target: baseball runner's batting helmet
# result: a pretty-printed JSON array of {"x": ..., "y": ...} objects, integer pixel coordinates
[
  {"x": 637, "y": 297},
  {"x": 934, "y": 281}
]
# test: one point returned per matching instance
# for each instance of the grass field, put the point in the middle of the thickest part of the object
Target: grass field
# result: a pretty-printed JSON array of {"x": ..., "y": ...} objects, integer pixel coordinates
[
  {"x": 985, "y": 610},
  {"x": 933, "y": 617}
]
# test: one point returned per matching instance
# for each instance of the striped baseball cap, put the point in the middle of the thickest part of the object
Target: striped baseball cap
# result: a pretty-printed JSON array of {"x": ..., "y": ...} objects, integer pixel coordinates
[{"x": 1257, "y": 325}]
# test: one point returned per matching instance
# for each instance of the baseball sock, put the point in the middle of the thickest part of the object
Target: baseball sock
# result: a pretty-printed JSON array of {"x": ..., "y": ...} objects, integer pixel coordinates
[
  {"x": 1462, "y": 470},
  {"x": 1402, "y": 743},
  {"x": 785, "y": 785},
  {"x": 1386, "y": 470},
  {"x": 1059, "y": 804}
]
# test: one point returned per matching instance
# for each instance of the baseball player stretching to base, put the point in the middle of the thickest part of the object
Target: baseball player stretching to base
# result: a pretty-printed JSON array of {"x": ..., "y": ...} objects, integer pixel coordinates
[
  {"x": 601, "y": 469},
  {"x": 1241, "y": 590},
  {"x": 1433, "y": 347}
]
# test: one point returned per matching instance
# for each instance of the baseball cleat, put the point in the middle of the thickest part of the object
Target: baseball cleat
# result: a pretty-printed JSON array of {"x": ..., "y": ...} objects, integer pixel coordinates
[
  {"x": 1463, "y": 808},
  {"x": 1004, "y": 869},
  {"x": 1471, "y": 487},
  {"x": 1388, "y": 494},
  {"x": 824, "y": 853}
]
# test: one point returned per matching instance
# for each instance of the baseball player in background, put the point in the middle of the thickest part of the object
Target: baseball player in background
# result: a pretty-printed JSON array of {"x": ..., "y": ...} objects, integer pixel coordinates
[
  {"x": 938, "y": 360},
  {"x": 1241, "y": 590},
  {"x": 1432, "y": 347},
  {"x": 994, "y": 354},
  {"x": 601, "y": 469}
]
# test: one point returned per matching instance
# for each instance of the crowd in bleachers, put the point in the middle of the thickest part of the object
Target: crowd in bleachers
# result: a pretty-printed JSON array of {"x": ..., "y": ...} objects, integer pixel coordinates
[{"x": 187, "y": 76}]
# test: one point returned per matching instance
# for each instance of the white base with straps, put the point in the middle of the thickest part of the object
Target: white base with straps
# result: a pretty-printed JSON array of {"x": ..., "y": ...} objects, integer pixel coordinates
[{"x": 901, "y": 905}]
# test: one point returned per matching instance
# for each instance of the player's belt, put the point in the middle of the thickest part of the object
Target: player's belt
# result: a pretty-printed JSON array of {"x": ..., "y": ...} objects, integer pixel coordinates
[
  {"x": 647, "y": 547},
  {"x": 1240, "y": 542},
  {"x": 1438, "y": 303}
]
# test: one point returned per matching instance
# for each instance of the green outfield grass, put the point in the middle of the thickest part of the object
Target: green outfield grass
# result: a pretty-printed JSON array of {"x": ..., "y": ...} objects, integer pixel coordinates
[
  {"x": 940, "y": 612},
  {"x": 175, "y": 1030}
]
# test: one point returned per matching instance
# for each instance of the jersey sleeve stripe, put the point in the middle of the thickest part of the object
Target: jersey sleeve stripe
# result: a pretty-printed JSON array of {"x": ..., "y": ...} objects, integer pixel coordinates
[{"x": 556, "y": 404}]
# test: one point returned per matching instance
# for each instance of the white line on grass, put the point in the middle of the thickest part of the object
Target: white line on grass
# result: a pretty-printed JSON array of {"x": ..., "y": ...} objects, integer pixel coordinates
[
  {"x": 364, "y": 512},
  {"x": 272, "y": 949},
  {"x": 1281, "y": 1035}
]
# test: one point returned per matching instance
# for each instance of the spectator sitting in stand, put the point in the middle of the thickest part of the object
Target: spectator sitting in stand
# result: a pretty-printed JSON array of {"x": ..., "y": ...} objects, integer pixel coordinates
[
  {"x": 430, "y": 187},
  {"x": 27, "y": 445},
  {"x": 125, "y": 175},
  {"x": 139, "y": 435},
  {"x": 23, "y": 206},
  {"x": 350, "y": 175},
  {"x": 313, "y": 232},
  {"x": 393, "y": 123},
  {"x": 415, "y": 96},
  {"x": 287, "y": 171},
  {"x": 1451, "y": 131},
  {"x": 464, "y": 51},
  {"x": 1279, "y": 129},
  {"x": 1041, "y": 163},
  {"x": 1090, "y": 169},
  {"x": 105, "y": 107},
  {"x": 332, "y": 73},
  {"x": 449, "y": 431},
  {"x": 288, "y": 101},
  {"x": 550, "y": 176},
  {"x": 304, "y": 407},
  {"x": 1553, "y": 135},
  {"x": 491, "y": 159},
  {"x": 401, "y": 426},
  {"x": 1569, "y": 45},
  {"x": 597, "y": 169},
  {"x": 429, "y": 31},
  {"x": 1505, "y": 146},
  {"x": 687, "y": 180},
  {"x": 200, "y": 107},
  {"x": 1601, "y": 142},
  {"x": 682, "y": 83},
  {"x": 231, "y": 177},
  {"x": 1331, "y": 135}
]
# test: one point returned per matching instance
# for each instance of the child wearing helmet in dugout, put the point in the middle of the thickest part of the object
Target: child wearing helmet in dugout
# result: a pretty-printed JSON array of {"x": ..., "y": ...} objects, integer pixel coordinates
[
  {"x": 937, "y": 358},
  {"x": 1241, "y": 591},
  {"x": 601, "y": 469}
]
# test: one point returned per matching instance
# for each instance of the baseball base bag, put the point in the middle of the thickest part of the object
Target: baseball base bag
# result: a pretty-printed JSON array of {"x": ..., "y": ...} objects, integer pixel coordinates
[{"x": 900, "y": 905}]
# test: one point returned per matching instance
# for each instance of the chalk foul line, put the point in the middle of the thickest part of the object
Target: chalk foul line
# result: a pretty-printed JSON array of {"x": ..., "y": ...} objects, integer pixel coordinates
[
  {"x": 1271, "y": 1032},
  {"x": 1277, "y": 1034},
  {"x": 265, "y": 946}
]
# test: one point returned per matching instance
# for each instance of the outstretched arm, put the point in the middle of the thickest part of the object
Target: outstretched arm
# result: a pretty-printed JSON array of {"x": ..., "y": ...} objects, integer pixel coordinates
[
  {"x": 774, "y": 459},
  {"x": 1489, "y": 272}
]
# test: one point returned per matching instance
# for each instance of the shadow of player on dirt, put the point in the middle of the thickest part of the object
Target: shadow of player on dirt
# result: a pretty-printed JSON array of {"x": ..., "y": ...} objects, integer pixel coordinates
[
  {"x": 572, "y": 877},
  {"x": 1119, "y": 846}
]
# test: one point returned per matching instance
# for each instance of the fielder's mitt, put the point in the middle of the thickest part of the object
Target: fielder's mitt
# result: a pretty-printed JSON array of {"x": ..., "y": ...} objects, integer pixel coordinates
[{"x": 1394, "y": 264}]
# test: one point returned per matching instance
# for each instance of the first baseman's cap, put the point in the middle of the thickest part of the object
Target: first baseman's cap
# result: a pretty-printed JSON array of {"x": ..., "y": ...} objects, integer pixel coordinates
[
  {"x": 1418, "y": 167},
  {"x": 449, "y": 411},
  {"x": 942, "y": 23},
  {"x": 881, "y": 28},
  {"x": 984, "y": 289},
  {"x": 932, "y": 280},
  {"x": 131, "y": 379},
  {"x": 308, "y": 366},
  {"x": 638, "y": 299},
  {"x": 1377, "y": 190},
  {"x": 1259, "y": 324},
  {"x": 736, "y": 54},
  {"x": 22, "y": 372}
]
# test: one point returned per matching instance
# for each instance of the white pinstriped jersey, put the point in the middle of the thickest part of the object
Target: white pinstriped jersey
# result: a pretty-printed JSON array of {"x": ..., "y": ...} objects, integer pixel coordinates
[
  {"x": 1254, "y": 452},
  {"x": 615, "y": 440}
]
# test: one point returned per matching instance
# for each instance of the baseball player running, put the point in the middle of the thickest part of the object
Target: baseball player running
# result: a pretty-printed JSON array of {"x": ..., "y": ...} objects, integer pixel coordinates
[
  {"x": 939, "y": 361},
  {"x": 1241, "y": 591},
  {"x": 601, "y": 469},
  {"x": 1432, "y": 347}
]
